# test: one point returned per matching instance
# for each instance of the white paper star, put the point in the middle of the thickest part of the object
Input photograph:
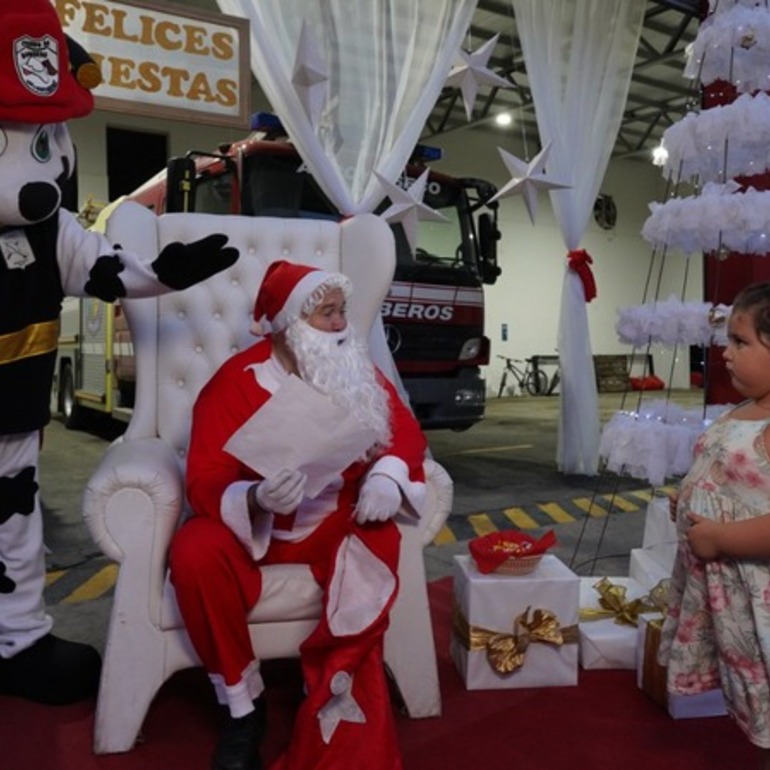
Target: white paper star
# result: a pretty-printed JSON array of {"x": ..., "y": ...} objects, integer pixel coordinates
[
  {"x": 406, "y": 206},
  {"x": 473, "y": 72},
  {"x": 527, "y": 179},
  {"x": 341, "y": 707},
  {"x": 310, "y": 73}
]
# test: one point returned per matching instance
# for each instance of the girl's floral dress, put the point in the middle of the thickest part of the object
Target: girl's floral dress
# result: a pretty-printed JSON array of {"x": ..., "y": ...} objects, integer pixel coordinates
[{"x": 717, "y": 629}]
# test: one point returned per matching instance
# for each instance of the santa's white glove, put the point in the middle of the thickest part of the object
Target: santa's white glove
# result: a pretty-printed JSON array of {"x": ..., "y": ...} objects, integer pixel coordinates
[
  {"x": 379, "y": 500},
  {"x": 283, "y": 492}
]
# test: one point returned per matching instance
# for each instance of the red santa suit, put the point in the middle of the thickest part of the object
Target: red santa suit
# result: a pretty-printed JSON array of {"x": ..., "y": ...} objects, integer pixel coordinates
[{"x": 346, "y": 718}]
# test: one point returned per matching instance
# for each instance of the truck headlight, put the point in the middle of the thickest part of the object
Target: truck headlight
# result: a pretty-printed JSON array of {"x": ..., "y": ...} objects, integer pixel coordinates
[
  {"x": 470, "y": 349},
  {"x": 468, "y": 397}
]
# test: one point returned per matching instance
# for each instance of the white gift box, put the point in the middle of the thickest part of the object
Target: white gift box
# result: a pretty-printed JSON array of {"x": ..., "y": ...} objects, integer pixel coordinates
[
  {"x": 658, "y": 527},
  {"x": 707, "y": 704},
  {"x": 646, "y": 567},
  {"x": 605, "y": 643},
  {"x": 493, "y": 602}
]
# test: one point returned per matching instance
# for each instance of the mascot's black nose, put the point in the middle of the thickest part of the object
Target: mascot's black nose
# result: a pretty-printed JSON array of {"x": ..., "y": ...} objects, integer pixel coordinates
[{"x": 38, "y": 200}]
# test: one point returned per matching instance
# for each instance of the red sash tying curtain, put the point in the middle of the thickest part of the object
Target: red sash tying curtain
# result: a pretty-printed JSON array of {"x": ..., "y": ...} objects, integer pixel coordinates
[{"x": 580, "y": 261}]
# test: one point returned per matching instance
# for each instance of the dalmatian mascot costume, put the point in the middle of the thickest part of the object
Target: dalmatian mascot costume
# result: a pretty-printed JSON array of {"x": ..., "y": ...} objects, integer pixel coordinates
[{"x": 46, "y": 255}]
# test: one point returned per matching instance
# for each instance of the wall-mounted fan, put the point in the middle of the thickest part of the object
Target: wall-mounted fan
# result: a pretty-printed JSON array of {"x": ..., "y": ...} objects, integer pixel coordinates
[{"x": 605, "y": 212}]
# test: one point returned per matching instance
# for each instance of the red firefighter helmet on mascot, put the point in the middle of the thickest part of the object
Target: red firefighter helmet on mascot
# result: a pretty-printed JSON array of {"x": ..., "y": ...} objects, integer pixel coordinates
[
  {"x": 45, "y": 76},
  {"x": 45, "y": 79}
]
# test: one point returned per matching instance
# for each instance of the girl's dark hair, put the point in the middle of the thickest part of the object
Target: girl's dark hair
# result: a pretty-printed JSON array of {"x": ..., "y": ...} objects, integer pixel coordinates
[{"x": 755, "y": 300}]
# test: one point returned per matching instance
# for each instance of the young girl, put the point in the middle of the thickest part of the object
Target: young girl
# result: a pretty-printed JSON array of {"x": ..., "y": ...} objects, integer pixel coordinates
[{"x": 717, "y": 630}]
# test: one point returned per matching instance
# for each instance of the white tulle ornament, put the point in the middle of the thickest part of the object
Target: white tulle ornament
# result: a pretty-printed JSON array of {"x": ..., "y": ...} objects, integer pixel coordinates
[
  {"x": 655, "y": 443},
  {"x": 721, "y": 216},
  {"x": 672, "y": 322},
  {"x": 722, "y": 142},
  {"x": 733, "y": 44}
]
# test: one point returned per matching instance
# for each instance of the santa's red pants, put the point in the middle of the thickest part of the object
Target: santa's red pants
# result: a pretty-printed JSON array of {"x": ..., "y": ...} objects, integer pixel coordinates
[{"x": 217, "y": 583}]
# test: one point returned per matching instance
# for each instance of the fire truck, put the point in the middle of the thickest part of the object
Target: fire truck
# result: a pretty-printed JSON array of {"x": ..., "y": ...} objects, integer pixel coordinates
[{"x": 433, "y": 315}]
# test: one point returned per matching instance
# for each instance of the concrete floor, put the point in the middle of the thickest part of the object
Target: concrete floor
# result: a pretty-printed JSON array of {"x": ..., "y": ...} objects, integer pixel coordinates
[{"x": 506, "y": 460}]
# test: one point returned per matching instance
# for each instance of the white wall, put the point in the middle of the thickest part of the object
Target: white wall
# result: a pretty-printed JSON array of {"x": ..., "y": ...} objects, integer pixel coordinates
[{"x": 527, "y": 295}]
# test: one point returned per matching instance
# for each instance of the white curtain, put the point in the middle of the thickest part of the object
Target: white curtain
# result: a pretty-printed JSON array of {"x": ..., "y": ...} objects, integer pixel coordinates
[
  {"x": 579, "y": 57},
  {"x": 378, "y": 67}
]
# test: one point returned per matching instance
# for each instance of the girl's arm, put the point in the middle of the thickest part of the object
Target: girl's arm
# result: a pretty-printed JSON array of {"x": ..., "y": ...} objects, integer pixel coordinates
[{"x": 748, "y": 539}]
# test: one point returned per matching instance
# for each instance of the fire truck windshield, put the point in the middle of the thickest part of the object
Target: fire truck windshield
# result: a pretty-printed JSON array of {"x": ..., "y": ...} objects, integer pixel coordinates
[{"x": 275, "y": 185}]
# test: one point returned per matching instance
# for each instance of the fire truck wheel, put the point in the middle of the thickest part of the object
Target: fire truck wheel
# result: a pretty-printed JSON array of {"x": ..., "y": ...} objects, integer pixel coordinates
[{"x": 74, "y": 417}]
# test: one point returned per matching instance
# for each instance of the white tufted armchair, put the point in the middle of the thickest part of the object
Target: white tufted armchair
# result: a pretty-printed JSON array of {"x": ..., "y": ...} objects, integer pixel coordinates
[{"x": 135, "y": 499}]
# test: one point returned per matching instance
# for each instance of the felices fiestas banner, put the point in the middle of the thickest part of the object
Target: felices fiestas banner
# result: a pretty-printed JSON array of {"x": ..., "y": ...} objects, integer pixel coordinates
[{"x": 164, "y": 61}]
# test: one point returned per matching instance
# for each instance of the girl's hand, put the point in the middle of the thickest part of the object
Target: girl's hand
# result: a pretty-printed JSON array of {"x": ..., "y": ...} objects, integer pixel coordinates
[{"x": 703, "y": 536}]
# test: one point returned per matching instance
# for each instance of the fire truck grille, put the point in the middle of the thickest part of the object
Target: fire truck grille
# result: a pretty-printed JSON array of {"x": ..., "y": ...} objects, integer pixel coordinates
[{"x": 427, "y": 342}]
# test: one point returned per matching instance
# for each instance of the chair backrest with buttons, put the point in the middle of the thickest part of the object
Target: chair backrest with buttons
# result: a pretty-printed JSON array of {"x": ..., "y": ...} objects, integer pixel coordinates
[{"x": 181, "y": 338}]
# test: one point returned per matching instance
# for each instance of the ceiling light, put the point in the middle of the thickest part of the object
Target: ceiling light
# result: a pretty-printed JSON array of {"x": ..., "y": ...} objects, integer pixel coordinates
[
  {"x": 503, "y": 119},
  {"x": 659, "y": 155}
]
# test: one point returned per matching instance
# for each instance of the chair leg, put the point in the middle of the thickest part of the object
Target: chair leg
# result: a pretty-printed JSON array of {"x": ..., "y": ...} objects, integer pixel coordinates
[
  {"x": 410, "y": 652},
  {"x": 132, "y": 673}
]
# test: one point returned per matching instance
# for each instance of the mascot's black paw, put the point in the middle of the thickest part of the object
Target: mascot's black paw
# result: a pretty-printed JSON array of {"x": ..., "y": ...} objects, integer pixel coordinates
[
  {"x": 104, "y": 279},
  {"x": 52, "y": 671},
  {"x": 181, "y": 265}
]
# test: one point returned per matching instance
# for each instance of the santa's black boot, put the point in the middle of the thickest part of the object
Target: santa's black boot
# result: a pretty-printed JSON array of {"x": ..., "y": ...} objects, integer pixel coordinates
[
  {"x": 52, "y": 671},
  {"x": 240, "y": 739}
]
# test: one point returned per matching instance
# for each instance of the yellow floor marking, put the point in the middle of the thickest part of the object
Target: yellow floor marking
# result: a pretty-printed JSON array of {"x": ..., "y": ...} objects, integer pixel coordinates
[
  {"x": 444, "y": 536},
  {"x": 481, "y": 523},
  {"x": 618, "y": 502},
  {"x": 521, "y": 518},
  {"x": 482, "y": 450},
  {"x": 556, "y": 512},
  {"x": 584, "y": 503},
  {"x": 53, "y": 576},
  {"x": 95, "y": 586},
  {"x": 668, "y": 490},
  {"x": 644, "y": 494}
]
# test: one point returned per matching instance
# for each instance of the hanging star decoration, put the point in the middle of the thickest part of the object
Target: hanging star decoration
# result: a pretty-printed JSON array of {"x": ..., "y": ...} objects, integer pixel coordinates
[
  {"x": 310, "y": 74},
  {"x": 472, "y": 72},
  {"x": 527, "y": 179},
  {"x": 406, "y": 206}
]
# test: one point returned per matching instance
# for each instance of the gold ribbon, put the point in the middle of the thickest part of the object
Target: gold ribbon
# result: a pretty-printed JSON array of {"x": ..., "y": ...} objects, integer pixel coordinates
[
  {"x": 653, "y": 674},
  {"x": 34, "y": 340},
  {"x": 506, "y": 652},
  {"x": 658, "y": 596},
  {"x": 613, "y": 604}
]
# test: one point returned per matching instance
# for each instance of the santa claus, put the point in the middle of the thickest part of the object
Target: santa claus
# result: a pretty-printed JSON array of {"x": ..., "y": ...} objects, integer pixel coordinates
[{"x": 345, "y": 532}]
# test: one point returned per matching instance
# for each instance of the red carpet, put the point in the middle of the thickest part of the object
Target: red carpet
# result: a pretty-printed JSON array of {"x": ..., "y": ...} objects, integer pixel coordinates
[{"x": 603, "y": 723}]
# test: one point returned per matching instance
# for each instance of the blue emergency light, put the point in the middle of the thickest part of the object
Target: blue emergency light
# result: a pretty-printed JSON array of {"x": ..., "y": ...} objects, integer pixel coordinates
[
  {"x": 425, "y": 153},
  {"x": 266, "y": 121}
]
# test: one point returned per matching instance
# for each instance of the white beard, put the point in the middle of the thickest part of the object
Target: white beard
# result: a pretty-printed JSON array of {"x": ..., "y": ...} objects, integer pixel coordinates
[{"x": 337, "y": 364}]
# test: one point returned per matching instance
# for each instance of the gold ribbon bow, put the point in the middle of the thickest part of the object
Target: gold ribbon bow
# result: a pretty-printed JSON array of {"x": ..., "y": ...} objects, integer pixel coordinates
[
  {"x": 505, "y": 652},
  {"x": 658, "y": 595},
  {"x": 613, "y": 604}
]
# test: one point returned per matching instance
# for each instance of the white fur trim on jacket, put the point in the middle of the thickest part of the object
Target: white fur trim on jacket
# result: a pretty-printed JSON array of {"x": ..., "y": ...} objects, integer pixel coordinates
[
  {"x": 360, "y": 588},
  {"x": 235, "y": 514}
]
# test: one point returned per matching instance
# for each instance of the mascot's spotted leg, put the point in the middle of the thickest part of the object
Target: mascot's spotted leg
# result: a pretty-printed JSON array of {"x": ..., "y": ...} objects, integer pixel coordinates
[
  {"x": 44, "y": 668},
  {"x": 46, "y": 255}
]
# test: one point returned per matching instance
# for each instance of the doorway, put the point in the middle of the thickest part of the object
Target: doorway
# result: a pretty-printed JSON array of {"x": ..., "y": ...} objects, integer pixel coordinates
[{"x": 132, "y": 158}]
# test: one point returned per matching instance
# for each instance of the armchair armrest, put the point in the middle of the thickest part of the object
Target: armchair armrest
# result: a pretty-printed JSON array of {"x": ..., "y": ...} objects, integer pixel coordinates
[
  {"x": 440, "y": 495},
  {"x": 132, "y": 505}
]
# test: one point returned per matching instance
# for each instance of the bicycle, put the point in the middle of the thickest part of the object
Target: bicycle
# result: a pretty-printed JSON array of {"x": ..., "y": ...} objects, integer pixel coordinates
[{"x": 533, "y": 381}]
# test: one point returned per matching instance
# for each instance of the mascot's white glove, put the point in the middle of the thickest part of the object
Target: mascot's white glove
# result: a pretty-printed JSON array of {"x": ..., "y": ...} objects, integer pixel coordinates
[
  {"x": 379, "y": 500},
  {"x": 281, "y": 493}
]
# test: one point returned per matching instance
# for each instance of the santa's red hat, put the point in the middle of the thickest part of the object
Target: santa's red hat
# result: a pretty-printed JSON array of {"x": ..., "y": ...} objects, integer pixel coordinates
[
  {"x": 285, "y": 290},
  {"x": 37, "y": 84}
]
